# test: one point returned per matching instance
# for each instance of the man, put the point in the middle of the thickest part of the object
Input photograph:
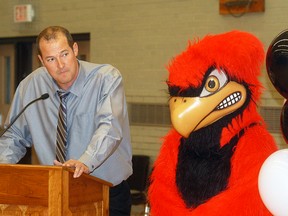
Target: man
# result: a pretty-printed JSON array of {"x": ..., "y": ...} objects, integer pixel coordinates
[{"x": 95, "y": 137}]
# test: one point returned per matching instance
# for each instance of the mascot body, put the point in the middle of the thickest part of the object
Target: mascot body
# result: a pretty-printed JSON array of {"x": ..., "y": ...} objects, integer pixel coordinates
[{"x": 210, "y": 160}]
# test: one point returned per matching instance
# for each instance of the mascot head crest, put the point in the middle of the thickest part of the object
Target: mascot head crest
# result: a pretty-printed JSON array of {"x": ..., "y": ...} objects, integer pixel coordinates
[{"x": 216, "y": 76}]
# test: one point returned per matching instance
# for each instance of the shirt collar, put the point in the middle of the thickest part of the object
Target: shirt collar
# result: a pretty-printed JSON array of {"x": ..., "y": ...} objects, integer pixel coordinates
[{"x": 77, "y": 85}]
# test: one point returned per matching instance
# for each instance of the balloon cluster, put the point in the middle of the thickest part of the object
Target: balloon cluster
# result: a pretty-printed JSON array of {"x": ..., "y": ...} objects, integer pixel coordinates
[
  {"x": 277, "y": 69},
  {"x": 273, "y": 176}
]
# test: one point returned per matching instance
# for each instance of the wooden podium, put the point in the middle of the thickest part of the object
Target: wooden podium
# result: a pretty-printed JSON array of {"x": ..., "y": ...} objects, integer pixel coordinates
[{"x": 51, "y": 191}]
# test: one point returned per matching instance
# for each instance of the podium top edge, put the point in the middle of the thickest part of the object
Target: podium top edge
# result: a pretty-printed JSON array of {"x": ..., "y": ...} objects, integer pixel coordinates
[
  {"x": 48, "y": 168},
  {"x": 29, "y": 166}
]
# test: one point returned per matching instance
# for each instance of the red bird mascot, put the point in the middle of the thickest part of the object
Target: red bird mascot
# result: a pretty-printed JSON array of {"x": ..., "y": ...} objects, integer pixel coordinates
[{"x": 210, "y": 160}]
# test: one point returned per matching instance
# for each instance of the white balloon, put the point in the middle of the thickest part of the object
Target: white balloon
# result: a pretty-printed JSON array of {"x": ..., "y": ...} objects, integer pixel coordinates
[{"x": 273, "y": 183}]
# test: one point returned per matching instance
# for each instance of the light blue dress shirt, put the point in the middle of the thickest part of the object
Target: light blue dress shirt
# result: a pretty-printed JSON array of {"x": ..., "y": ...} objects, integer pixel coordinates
[{"x": 97, "y": 122}]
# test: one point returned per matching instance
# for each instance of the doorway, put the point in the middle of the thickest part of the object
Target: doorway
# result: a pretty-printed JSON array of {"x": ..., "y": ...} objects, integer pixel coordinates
[{"x": 7, "y": 77}]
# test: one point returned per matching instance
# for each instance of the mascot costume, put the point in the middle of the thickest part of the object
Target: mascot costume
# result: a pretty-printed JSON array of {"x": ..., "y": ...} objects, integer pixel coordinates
[{"x": 210, "y": 160}]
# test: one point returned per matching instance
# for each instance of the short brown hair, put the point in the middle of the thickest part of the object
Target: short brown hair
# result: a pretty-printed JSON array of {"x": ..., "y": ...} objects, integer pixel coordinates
[{"x": 50, "y": 33}]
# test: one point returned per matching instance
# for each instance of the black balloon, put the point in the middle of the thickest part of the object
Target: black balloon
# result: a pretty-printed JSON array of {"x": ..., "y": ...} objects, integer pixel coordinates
[
  {"x": 277, "y": 63},
  {"x": 284, "y": 121}
]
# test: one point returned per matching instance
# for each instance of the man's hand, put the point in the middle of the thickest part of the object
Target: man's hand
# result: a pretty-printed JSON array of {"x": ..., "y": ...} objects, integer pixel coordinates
[{"x": 75, "y": 164}]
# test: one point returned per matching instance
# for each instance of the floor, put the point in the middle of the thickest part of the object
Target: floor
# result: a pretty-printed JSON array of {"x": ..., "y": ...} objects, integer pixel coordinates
[{"x": 139, "y": 210}]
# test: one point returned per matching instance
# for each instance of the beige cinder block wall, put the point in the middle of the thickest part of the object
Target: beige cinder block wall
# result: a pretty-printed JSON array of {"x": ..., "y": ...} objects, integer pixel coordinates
[{"x": 140, "y": 37}]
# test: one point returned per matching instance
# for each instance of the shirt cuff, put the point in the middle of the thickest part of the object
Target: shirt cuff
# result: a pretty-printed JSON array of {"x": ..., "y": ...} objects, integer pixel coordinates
[{"x": 89, "y": 162}]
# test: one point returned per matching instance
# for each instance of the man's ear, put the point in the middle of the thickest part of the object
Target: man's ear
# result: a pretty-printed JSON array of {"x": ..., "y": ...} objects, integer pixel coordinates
[
  {"x": 75, "y": 49},
  {"x": 40, "y": 59}
]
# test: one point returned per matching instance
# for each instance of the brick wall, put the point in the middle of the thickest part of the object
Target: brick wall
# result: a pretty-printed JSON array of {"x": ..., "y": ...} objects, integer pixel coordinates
[{"x": 140, "y": 37}]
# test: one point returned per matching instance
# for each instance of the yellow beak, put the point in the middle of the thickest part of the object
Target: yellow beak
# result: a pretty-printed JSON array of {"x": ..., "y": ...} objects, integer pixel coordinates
[{"x": 190, "y": 114}]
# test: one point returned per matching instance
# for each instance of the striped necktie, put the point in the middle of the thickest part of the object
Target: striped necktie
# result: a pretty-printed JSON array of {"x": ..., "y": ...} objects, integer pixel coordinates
[{"x": 61, "y": 140}]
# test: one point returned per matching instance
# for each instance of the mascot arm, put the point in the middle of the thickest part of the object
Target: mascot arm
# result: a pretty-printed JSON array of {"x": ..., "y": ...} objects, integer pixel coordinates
[{"x": 162, "y": 194}]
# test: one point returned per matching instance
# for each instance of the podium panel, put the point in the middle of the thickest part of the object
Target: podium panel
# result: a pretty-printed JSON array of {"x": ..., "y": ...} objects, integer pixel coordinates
[{"x": 51, "y": 191}]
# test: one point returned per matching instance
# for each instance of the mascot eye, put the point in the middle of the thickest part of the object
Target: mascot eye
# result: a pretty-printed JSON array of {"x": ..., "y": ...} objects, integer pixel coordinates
[
  {"x": 212, "y": 84},
  {"x": 215, "y": 81}
]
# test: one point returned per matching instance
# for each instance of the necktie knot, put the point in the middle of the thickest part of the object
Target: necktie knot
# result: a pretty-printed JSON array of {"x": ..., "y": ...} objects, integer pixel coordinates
[{"x": 62, "y": 95}]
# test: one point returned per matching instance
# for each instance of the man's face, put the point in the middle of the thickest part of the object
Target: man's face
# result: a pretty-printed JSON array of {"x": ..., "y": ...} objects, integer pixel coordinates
[{"x": 60, "y": 60}]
